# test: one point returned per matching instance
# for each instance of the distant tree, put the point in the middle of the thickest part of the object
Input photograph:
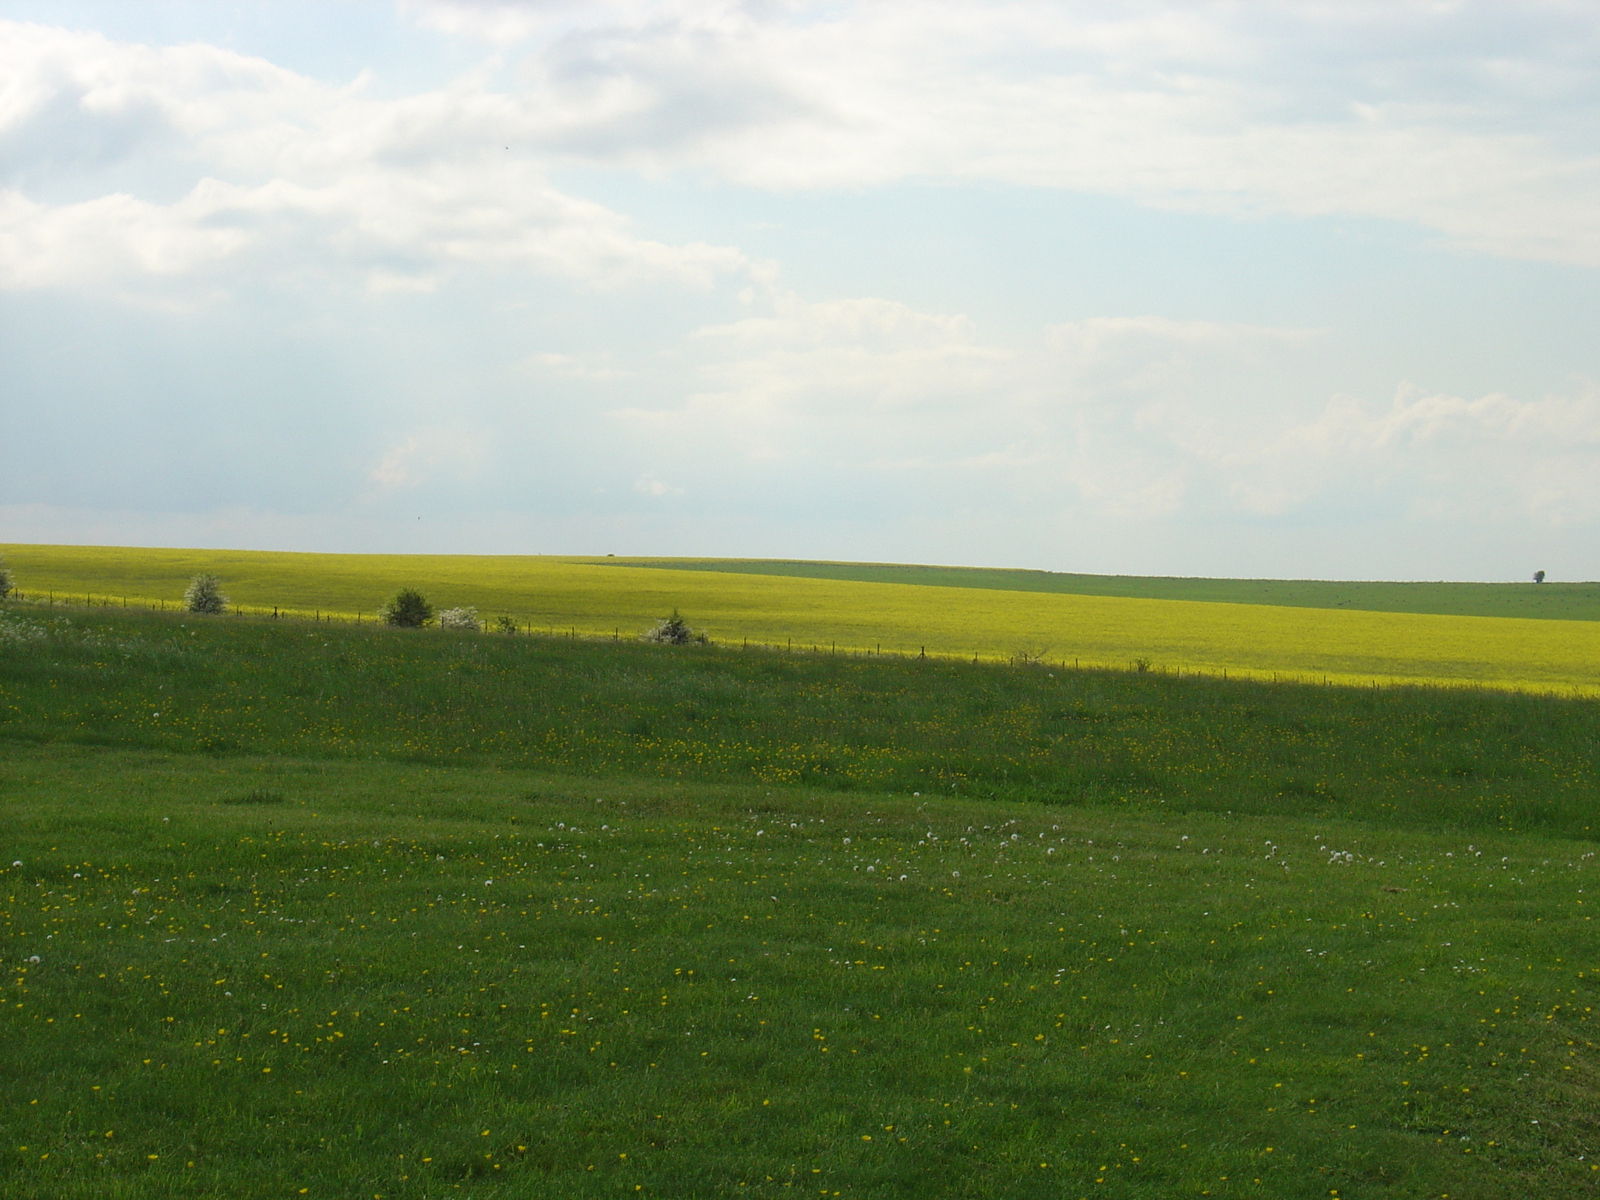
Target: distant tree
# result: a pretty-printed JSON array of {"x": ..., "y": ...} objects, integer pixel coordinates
[
  {"x": 407, "y": 609},
  {"x": 459, "y": 618},
  {"x": 506, "y": 625},
  {"x": 1538, "y": 576},
  {"x": 204, "y": 595},
  {"x": 6, "y": 582}
]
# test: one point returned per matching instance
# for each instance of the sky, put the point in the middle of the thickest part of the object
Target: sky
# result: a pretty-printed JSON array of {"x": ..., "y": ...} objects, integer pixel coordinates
[{"x": 1288, "y": 289}]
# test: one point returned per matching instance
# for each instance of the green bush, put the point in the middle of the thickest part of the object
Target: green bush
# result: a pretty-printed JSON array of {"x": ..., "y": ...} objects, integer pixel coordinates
[
  {"x": 6, "y": 582},
  {"x": 407, "y": 609}
]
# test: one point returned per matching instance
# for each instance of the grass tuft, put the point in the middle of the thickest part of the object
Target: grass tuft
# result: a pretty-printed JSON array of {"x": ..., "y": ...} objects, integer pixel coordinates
[{"x": 257, "y": 796}]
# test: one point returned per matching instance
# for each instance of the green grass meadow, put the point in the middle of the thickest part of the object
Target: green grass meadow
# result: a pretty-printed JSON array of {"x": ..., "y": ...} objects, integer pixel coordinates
[{"x": 293, "y": 908}]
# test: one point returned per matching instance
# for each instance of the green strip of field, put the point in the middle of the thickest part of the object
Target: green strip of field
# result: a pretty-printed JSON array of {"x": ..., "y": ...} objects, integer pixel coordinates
[
  {"x": 1546, "y": 601},
  {"x": 1471, "y": 760}
]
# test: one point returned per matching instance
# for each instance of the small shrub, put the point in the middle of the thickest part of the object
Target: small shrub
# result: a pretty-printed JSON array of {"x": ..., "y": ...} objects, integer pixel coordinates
[
  {"x": 673, "y": 631},
  {"x": 6, "y": 582},
  {"x": 506, "y": 625},
  {"x": 407, "y": 609},
  {"x": 204, "y": 595},
  {"x": 460, "y": 618},
  {"x": 1141, "y": 665}
]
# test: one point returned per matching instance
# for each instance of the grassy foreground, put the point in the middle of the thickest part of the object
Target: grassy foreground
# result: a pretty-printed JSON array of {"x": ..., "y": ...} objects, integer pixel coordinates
[
  {"x": 598, "y": 597},
  {"x": 280, "y": 978},
  {"x": 298, "y": 909}
]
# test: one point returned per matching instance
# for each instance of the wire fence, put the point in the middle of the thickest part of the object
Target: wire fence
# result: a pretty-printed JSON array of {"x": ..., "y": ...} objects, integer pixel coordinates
[{"x": 522, "y": 625}]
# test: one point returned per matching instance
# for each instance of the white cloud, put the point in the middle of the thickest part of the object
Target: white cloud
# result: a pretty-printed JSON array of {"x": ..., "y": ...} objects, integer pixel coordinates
[
  {"x": 812, "y": 381},
  {"x": 904, "y": 399},
  {"x": 112, "y": 237},
  {"x": 1480, "y": 129},
  {"x": 289, "y": 175},
  {"x": 1434, "y": 456},
  {"x": 568, "y": 366},
  {"x": 1474, "y": 120},
  {"x": 1135, "y": 419},
  {"x": 428, "y": 454},
  {"x": 499, "y": 22},
  {"x": 646, "y": 486}
]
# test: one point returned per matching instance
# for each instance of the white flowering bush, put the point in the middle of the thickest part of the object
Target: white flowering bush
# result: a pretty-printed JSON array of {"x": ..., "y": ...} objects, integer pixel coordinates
[
  {"x": 673, "y": 631},
  {"x": 460, "y": 618},
  {"x": 204, "y": 595}
]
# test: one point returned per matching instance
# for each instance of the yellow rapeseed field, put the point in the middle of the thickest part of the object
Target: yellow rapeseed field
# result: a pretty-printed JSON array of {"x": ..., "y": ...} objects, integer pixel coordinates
[{"x": 608, "y": 597}]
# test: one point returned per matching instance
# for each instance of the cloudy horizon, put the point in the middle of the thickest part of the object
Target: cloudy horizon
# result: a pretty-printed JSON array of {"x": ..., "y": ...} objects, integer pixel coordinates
[{"x": 1289, "y": 290}]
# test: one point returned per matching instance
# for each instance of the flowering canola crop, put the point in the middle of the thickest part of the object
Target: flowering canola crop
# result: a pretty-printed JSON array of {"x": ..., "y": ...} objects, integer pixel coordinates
[{"x": 607, "y": 597}]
